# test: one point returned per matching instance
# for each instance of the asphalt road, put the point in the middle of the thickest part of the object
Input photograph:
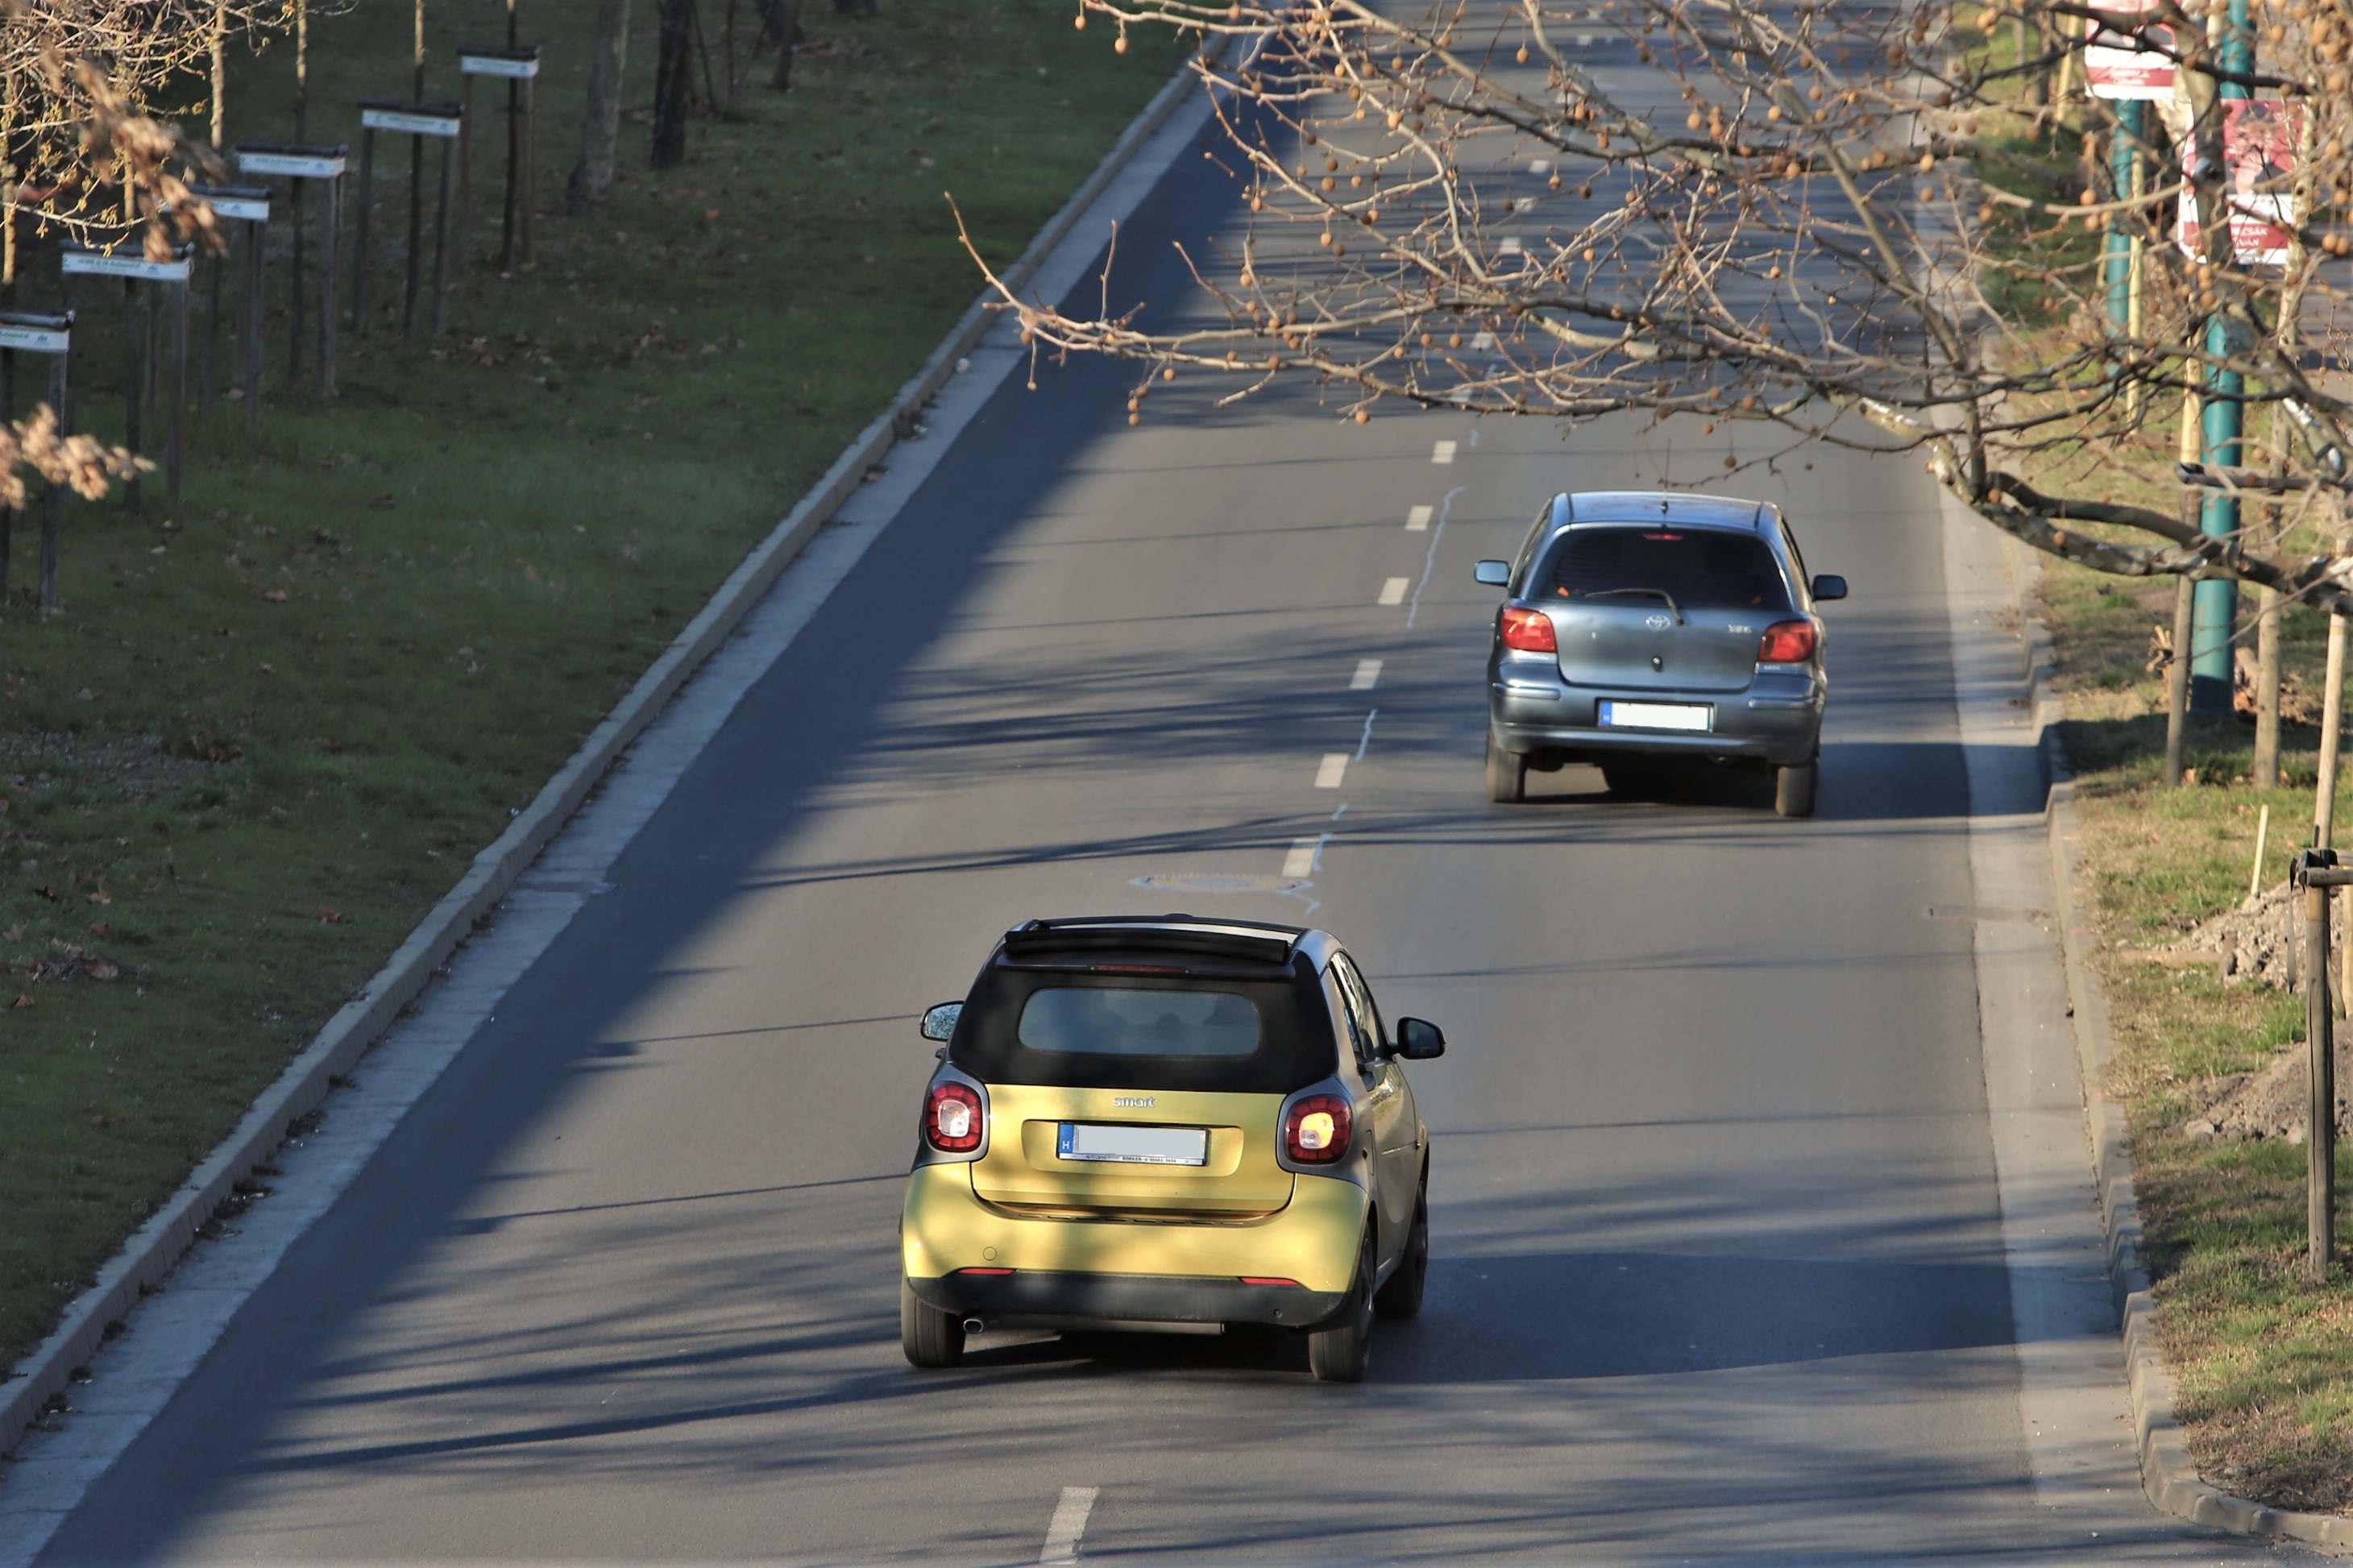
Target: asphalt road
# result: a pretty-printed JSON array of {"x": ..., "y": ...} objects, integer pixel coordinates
[{"x": 1718, "y": 1271}]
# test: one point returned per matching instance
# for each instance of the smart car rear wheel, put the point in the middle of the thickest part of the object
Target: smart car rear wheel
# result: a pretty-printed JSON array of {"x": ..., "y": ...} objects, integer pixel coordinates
[
  {"x": 1507, "y": 774},
  {"x": 1340, "y": 1348},
  {"x": 931, "y": 1336},
  {"x": 1402, "y": 1296},
  {"x": 1793, "y": 789}
]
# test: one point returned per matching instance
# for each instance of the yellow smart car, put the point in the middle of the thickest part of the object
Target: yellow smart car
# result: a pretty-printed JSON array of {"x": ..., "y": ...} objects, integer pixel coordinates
[{"x": 1153, "y": 1119}]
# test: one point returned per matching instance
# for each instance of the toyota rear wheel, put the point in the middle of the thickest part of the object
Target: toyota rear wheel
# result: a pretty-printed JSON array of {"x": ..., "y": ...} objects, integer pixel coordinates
[
  {"x": 1793, "y": 789},
  {"x": 1507, "y": 774}
]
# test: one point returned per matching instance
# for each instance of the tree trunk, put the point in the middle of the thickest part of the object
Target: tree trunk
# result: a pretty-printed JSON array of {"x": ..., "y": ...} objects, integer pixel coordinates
[
  {"x": 673, "y": 83},
  {"x": 600, "y": 131},
  {"x": 780, "y": 23},
  {"x": 2268, "y": 610}
]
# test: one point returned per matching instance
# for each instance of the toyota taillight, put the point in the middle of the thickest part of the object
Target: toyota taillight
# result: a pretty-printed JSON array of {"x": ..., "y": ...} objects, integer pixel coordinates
[
  {"x": 1786, "y": 642},
  {"x": 952, "y": 1119},
  {"x": 1527, "y": 630},
  {"x": 1317, "y": 1129}
]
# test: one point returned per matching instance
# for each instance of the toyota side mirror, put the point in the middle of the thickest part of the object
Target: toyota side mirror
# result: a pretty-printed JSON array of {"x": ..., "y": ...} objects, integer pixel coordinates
[
  {"x": 940, "y": 1022},
  {"x": 1420, "y": 1040},
  {"x": 1494, "y": 574},
  {"x": 1830, "y": 585}
]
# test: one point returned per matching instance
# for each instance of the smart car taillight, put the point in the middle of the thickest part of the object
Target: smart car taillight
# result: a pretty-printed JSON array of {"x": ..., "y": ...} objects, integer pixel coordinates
[
  {"x": 1317, "y": 1129},
  {"x": 1529, "y": 631},
  {"x": 952, "y": 1119},
  {"x": 1786, "y": 642}
]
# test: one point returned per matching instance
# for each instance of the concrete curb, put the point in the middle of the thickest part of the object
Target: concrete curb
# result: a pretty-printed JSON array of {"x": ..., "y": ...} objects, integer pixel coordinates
[
  {"x": 2166, "y": 1474},
  {"x": 153, "y": 1249}
]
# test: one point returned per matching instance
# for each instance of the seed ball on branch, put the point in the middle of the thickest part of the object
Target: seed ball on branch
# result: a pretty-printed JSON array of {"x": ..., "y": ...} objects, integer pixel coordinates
[
  {"x": 1364, "y": 417},
  {"x": 1080, "y": 21}
]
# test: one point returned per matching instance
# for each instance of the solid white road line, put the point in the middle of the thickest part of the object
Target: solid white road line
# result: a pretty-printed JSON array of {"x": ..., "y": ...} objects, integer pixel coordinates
[
  {"x": 1068, "y": 1523},
  {"x": 1367, "y": 675},
  {"x": 1443, "y": 453},
  {"x": 1327, "y": 772},
  {"x": 1300, "y": 862},
  {"x": 1393, "y": 591},
  {"x": 1417, "y": 519}
]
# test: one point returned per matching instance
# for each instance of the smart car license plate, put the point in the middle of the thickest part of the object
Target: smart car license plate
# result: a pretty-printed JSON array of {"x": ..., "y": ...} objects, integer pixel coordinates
[
  {"x": 1658, "y": 715},
  {"x": 1133, "y": 1145}
]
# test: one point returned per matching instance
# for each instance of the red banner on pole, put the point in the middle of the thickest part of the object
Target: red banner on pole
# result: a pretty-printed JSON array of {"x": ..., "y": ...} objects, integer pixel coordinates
[
  {"x": 2259, "y": 143},
  {"x": 2126, "y": 56}
]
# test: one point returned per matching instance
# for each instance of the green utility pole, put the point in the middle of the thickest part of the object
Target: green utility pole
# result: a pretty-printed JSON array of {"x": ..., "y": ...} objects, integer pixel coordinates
[
  {"x": 2218, "y": 603},
  {"x": 2123, "y": 150}
]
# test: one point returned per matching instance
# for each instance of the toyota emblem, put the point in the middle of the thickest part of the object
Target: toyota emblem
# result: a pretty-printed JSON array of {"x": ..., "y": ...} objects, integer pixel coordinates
[{"x": 1658, "y": 622}]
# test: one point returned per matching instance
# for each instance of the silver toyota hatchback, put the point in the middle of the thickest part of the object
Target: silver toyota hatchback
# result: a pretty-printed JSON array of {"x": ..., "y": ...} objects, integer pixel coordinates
[{"x": 1646, "y": 628}]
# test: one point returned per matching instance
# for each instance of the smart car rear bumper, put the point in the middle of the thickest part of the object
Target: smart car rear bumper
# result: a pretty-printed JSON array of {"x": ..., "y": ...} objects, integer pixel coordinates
[
  {"x": 1055, "y": 1299},
  {"x": 1172, "y": 1268}
]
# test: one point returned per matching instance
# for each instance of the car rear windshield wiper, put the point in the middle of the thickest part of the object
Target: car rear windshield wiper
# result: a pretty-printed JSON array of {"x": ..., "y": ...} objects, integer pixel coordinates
[{"x": 1641, "y": 593}]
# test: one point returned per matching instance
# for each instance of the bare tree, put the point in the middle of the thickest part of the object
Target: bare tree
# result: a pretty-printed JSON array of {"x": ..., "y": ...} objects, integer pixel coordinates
[
  {"x": 600, "y": 127},
  {"x": 673, "y": 81},
  {"x": 1789, "y": 215}
]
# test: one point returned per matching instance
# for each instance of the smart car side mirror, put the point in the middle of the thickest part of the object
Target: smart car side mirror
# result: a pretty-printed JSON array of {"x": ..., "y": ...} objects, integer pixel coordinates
[
  {"x": 940, "y": 1022},
  {"x": 1494, "y": 574},
  {"x": 1830, "y": 585},
  {"x": 1420, "y": 1040}
]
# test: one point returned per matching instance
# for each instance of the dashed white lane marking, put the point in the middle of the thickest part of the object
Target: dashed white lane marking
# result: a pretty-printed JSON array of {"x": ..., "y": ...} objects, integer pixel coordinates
[
  {"x": 1366, "y": 739},
  {"x": 1417, "y": 519},
  {"x": 1539, "y": 165},
  {"x": 1300, "y": 862},
  {"x": 1068, "y": 1523},
  {"x": 1430, "y": 556},
  {"x": 1367, "y": 675},
  {"x": 1393, "y": 591},
  {"x": 1328, "y": 772},
  {"x": 1443, "y": 453},
  {"x": 1511, "y": 246},
  {"x": 1487, "y": 339}
]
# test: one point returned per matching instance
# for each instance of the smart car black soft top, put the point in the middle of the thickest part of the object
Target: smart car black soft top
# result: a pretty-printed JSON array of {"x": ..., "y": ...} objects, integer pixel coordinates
[{"x": 1176, "y": 935}]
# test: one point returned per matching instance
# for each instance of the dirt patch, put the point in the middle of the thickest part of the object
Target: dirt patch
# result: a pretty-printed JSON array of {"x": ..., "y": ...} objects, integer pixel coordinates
[
  {"x": 132, "y": 767},
  {"x": 2254, "y": 943},
  {"x": 2270, "y": 1102}
]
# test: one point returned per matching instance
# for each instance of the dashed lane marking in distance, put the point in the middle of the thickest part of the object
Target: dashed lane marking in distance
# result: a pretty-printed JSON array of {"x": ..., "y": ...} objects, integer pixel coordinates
[
  {"x": 1443, "y": 453},
  {"x": 1068, "y": 1525},
  {"x": 1430, "y": 556},
  {"x": 1329, "y": 772},
  {"x": 1417, "y": 519},
  {"x": 1300, "y": 862},
  {"x": 1367, "y": 675},
  {"x": 1393, "y": 591}
]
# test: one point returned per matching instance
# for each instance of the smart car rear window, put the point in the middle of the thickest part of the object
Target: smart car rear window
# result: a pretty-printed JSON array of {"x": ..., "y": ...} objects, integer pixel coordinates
[
  {"x": 1700, "y": 568},
  {"x": 1115, "y": 1021},
  {"x": 1074, "y": 1028}
]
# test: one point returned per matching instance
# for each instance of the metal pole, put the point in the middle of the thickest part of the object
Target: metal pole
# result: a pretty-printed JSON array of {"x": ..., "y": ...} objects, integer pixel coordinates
[
  {"x": 7, "y": 413},
  {"x": 53, "y": 502},
  {"x": 179, "y": 385},
  {"x": 2218, "y": 602},
  {"x": 2124, "y": 151},
  {"x": 2332, "y": 723},
  {"x": 2312, "y": 870},
  {"x": 329, "y": 234},
  {"x": 360, "y": 238},
  {"x": 2177, "y": 683},
  {"x": 530, "y": 196},
  {"x": 212, "y": 337},
  {"x": 253, "y": 262},
  {"x": 134, "y": 379},
  {"x": 465, "y": 168},
  {"x": 441, "y": 243},
  {"x": 514, "y": 172},
  {"x": 415, "y": 236}
]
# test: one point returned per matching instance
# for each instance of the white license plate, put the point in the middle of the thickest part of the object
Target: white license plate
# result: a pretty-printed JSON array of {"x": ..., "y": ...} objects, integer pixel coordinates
[
  {"x": 1658, "y": 715},
  {"x": 1133, "y": 1145}
]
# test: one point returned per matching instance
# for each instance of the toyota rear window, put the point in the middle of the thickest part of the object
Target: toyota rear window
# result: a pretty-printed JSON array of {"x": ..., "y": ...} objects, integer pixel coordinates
[
  {"x": 1079, "y": 1028},
  {"x": 1699, "y": 568}
]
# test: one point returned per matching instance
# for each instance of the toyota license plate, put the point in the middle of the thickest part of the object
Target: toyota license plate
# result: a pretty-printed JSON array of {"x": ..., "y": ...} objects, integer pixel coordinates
[
  {"x": 1133, "y": 1145},
  {"x": 1658, "y": 716}
]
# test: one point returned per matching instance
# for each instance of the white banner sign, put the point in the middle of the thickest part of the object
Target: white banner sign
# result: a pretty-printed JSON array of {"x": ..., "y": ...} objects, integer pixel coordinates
[
  {"x": 498, "y": 65},
  {"x": 36, "y": 340},
  {"x": 125, "y": 264},
  {"x": 2127, "y": 58},
  {"x": 409, "y": 121},
  {"x": 251, "y": 209},
  {"x": 299, "y": 165},
  {"x": 2259, "y": 139}
]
